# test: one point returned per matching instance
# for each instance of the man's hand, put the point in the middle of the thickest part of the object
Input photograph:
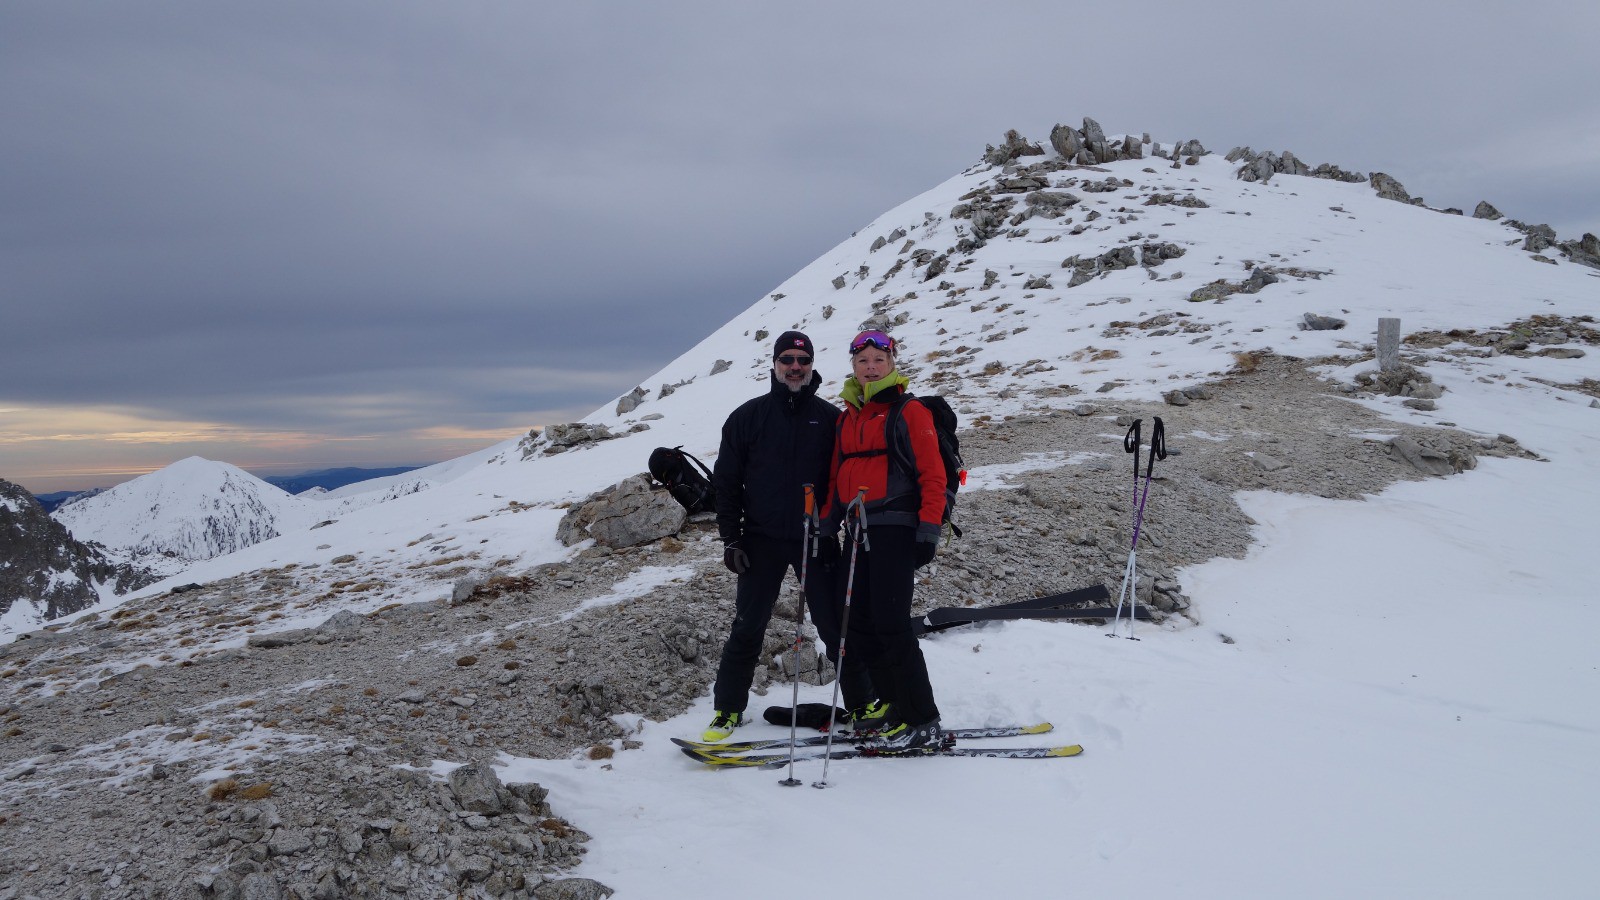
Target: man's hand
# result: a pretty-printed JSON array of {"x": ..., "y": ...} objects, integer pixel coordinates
[
  {"x": 735, "y": 559},
  {"x": 828, "y": 550}
]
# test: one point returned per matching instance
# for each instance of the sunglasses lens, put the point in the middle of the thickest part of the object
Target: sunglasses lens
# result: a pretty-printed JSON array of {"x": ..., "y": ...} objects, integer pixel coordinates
[{"x": 795, "y": 360}]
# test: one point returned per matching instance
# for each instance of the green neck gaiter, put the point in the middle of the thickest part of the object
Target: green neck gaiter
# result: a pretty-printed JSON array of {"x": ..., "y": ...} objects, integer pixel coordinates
[{"x": 855, "y": 395}]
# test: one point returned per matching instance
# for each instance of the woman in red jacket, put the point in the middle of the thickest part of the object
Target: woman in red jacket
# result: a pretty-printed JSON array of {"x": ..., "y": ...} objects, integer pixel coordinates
[{"x": 904, "y": 509}]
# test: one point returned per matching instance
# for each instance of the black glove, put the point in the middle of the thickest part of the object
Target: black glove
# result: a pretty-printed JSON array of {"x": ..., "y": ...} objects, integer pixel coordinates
[
  {"x": 828, "y": 550},
  {"x": 927, "y": 544},
  {"x": 735, "y": 559}
]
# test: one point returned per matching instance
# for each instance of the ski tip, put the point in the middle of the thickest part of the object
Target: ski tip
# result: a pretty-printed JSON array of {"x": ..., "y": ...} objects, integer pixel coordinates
[
  {"x": 716, "y": 759},
  {"x": 733, "y": 761},
  {"x": 727, "y": 747},
  {"x": 1072, "y": 750},
  {"x": 1040, "y": 728},
  {"x": 703, "y": 747}
]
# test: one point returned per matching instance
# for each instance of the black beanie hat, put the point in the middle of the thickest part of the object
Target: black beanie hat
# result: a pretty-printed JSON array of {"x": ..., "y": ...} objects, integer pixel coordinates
[{"x": 792, "y": 340}]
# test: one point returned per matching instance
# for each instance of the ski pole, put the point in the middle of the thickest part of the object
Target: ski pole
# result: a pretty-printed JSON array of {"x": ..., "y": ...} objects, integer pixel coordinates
[
  {"x": 856, "y": 528},
  {"x": 1158, "y": 450},
  {"x": 808, "y": 549},
  {"x": 1130, "y": 444}
]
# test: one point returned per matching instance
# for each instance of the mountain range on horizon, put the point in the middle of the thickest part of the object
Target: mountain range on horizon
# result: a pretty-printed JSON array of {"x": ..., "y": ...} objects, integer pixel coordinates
[{"x": 298, "y": 483}]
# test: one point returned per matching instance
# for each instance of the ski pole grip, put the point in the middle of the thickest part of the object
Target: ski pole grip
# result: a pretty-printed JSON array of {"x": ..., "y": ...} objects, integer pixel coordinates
[
  {"x": 1158, "y": 446},
  {"x": 856, "y": 511},
  {"x": 811, "y": 501},
  {"x": 1130, "y": 441}
]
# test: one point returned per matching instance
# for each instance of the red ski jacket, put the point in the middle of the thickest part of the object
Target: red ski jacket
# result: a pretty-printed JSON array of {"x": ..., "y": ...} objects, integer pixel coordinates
[{"x": 861, "y": 458}]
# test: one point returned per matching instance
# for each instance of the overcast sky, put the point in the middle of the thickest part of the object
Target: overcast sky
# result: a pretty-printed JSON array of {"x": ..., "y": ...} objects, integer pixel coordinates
[{"x": 304, "y": 234}]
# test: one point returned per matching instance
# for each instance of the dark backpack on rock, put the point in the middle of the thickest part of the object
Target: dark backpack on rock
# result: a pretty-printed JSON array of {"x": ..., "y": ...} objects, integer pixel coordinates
[{"x": 689, "y": 484}]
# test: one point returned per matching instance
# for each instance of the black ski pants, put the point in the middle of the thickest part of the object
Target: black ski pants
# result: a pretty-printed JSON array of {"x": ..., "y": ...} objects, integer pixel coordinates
[
  {"x": 771, "y": 560},
  {"x": 880, "y": 621}
]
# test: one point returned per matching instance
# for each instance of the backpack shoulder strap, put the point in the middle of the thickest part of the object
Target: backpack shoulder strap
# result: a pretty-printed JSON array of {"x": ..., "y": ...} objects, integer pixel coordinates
[
  {"x": 691, "y": 456},
  {"x": 894, "y": 425}
]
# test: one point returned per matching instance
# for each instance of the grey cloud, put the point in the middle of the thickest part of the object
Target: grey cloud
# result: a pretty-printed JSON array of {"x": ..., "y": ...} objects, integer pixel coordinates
[{"x": 202, "y": 202}]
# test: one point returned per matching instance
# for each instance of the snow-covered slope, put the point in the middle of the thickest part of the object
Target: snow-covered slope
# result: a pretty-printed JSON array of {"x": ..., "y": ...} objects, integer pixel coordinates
[
  {"x": 1001, "y": 330},
  {"x": 192, "y": 510}
]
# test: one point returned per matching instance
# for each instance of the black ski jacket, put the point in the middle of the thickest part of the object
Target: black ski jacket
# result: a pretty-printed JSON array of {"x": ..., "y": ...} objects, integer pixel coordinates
[{"x": 770, "y": 447}]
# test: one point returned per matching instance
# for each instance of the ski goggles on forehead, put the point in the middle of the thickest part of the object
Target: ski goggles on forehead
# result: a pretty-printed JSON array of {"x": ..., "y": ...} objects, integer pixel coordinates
[{"x": 872, "y": 339}]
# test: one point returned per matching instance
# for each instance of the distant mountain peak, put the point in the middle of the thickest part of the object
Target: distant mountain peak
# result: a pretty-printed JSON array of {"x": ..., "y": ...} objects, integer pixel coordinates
[{"x": 191, "y": 510}]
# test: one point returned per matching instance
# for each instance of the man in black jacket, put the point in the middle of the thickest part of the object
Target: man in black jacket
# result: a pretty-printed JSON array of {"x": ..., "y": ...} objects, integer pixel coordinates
[{"x": 771, "y": 447}]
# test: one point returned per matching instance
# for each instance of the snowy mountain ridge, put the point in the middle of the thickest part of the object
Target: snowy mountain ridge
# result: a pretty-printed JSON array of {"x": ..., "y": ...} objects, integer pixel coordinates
[
  {"x": 1345, "y": 664},
  {"x": 1010, "y": 288},
  {"x": 191, "y": 510}
]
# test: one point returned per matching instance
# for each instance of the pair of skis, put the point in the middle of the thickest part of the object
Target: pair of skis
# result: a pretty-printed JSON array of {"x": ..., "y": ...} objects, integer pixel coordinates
[
  {"x": 737, "y": 754},
  {"x": 1047, "y": 607}
]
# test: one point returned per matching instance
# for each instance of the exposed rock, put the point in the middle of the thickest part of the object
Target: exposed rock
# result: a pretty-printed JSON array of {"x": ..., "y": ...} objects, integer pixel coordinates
[
  {"x": 561, "y": 438},
  {"x": 1050, "y": 204},
  {"x": 257, "y": 886},
  {"x": 1314, "y": 322},
  {"x": 1066, "y": 141},
  {"x": 43, "y": 566},
  {"x": 478, "y": 789},
  {"x": 572, "y": 889},
  {"x": 1259, "y": 278},
  {"x": 626, "y": 514},
  {"x": 1112, "y": 260},
  {"x": 1014, "y": 146},
  {"x": 631, "y": 400},
  {"x": 1388, "y": 188},
  {"x": 1426, "y": 460},
  {"x": 1154, "y": 254},
  {"x": 1486, "y": 210},
  {"x": 1584, "y": 251},
  {"x": 1187, "y": 201},
  {"x": 464, "y": 588},
  {"x": 1267, "y": 463},
  {"x": 288, "y": 842},
  {"x": 1261, "y": 167},
  {"x": 1216, "y": 290}
]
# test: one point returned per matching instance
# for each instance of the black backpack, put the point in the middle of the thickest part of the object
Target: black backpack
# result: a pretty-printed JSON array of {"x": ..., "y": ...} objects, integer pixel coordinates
[
  {"x": 944, "y": 425},
  {"x": 670, "y": 466}
]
